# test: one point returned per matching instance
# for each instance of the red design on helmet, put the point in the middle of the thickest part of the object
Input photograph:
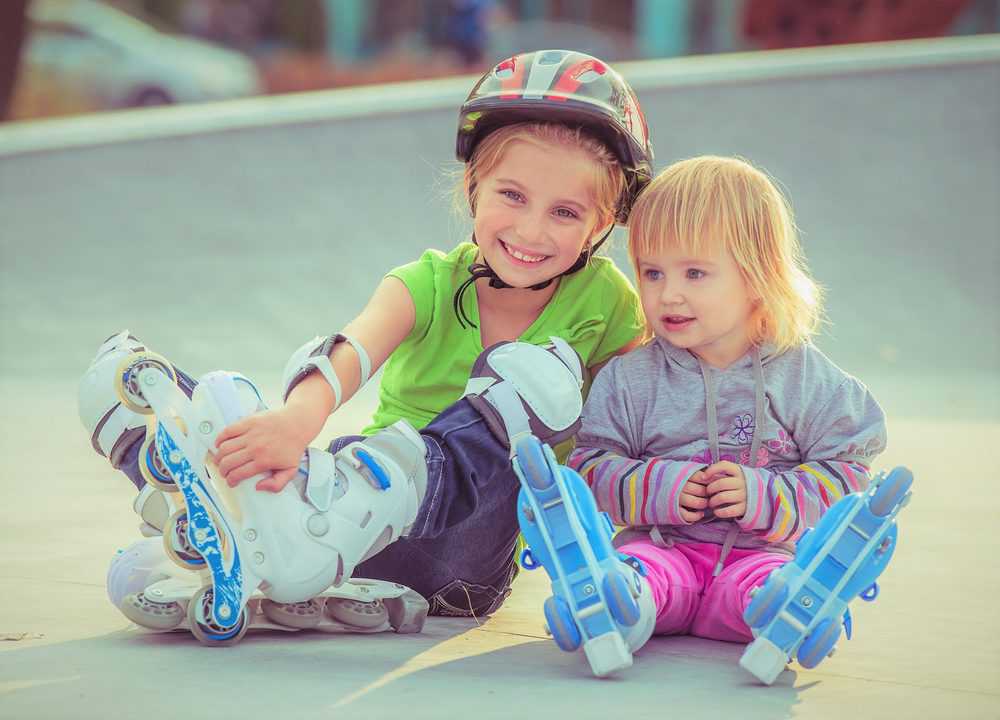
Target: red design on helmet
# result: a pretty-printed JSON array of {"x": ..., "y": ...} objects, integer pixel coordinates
[{"x": 567, "y": 87}]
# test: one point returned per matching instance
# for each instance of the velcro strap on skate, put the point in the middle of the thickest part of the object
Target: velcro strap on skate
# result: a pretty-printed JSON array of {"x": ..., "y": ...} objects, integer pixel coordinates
[
  {"x": 315, "y": 355},
  {"x": 503, "y": 396},
  {"x": 113, "y": 426},
  {"x": 569, "y": 356},
  {"x": 321, "y": 483}
]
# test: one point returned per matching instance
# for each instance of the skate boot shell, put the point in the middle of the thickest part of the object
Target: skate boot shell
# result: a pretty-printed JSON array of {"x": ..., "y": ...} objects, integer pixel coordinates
[
  {"x": 799, "y": 610},
  {"x": 600, "y": 601},
  {"x": 291, "y": 545}
]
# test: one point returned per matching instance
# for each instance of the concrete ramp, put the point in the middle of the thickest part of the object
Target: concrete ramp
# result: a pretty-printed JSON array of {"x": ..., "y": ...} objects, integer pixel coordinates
[{"x": 225, "y": 235}]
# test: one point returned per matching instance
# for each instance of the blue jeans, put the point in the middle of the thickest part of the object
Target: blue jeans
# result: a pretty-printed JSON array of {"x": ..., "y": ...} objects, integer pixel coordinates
[{"x": 460, "y": 551}]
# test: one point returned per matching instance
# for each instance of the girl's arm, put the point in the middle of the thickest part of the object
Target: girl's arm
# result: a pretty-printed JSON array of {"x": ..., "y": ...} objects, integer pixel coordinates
[
  {"x": 636, "y": 492},
  {"x": 631, "y": 491},
  {"x": 839, "y": 442},
  {"x": 274, "y": 440}
]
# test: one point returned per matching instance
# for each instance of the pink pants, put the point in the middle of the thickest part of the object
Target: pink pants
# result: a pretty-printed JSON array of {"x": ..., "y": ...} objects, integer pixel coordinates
[{"x": 689, "y": 601}]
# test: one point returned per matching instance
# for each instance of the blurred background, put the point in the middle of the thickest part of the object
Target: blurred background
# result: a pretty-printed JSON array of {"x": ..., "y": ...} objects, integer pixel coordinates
[{"x": 64, "y": 57}]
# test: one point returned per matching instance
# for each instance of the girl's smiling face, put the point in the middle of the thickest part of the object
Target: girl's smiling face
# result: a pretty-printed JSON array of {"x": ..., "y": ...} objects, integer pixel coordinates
[
  {"x": 535, "y": 211},
  {"x": 701, "y": 304}
]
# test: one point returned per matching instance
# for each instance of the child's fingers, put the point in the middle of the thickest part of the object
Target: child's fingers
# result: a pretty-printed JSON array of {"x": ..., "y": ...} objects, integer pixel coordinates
[
  {"x": 239, "y": 473},
  {"x": 727, "y": 497},
  {"x": 691, "y": 517},
  {"x": 229, "y": 432},
  {"x": 723, "y": 467},
  {"x": 693, "y": 502},
  {"x": 723, "y": 483},
  {"x": 693, "y": 488},
  {"x": 736, "y": 510},
  {"x": 277, "y": 481}
]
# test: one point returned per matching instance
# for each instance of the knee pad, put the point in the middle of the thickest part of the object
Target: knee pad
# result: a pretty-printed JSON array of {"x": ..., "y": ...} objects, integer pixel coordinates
[
  {"x": 314, "y": 355},
  {"x": 113, "y": 427},
  {"x": 522, "y": 388}
]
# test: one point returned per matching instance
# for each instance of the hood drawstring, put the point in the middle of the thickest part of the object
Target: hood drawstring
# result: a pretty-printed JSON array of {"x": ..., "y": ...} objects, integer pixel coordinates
[{"x": 713, "y": 436}]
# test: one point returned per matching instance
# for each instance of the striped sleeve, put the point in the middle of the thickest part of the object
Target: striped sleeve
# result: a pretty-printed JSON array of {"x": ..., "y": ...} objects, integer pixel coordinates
[
  {"x": 781, "y": 506},
  {"x": 838, "y": 445},
  {"x": 634, "y": 492}
]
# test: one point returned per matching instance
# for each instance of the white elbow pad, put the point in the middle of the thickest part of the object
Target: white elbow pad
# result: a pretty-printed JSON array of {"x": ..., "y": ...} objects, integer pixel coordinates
[{"x": 315, "y": 355}]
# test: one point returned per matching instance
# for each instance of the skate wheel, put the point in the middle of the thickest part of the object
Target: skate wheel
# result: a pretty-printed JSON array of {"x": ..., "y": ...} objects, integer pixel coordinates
[
  {"x": 891, "y": 491},
  {"x": 151, "y": 467},
  {"x": 531, "y": 459},
  {"x": 561, "y": 624},
  {"x": 819, "y": 643},
  {"x": 624, "y": 609},
  {"x": 209, "y": 632},
  {"x": 367, "y": 615},
  {"x": 177, "y": 545},
  {"x": 301, "y": 615},
  {"x": 127, "y": 385},
  {"x": 407, "y": 612},
  {"x": 767, "y": 602},
  {"x": 156, "y": 616}
]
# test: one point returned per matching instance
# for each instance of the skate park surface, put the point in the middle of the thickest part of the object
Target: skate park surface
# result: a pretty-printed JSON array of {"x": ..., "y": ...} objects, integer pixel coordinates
[{"x": 226, "y": 235}]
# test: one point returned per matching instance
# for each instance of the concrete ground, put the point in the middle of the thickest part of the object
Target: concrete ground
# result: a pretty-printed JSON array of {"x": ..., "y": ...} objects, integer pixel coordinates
[{"x": 225, "y": 248}]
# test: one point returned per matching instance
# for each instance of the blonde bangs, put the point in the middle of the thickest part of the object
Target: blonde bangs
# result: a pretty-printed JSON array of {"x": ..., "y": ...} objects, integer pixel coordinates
[{"x": 709, "y": 205}]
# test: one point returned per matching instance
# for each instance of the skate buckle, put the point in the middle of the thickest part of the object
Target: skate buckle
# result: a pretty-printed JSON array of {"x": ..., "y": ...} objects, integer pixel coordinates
[
  {"x": 528, "y": 561},
  {"x": 381, "y": 478}
]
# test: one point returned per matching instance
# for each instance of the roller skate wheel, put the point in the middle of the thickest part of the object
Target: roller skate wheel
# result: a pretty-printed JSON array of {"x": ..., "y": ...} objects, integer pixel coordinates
[
  {"x": 127, "y": 379},
  {"x": 154, "y": 615},
  {"x": 204, "y": 627},
  {"x": 561, "y": 624},
  {"x": 367, "y": 615},
  {"x": 151, "y": 466},
  {"x": 300, "y": 615},
  {"x": 177, "y": 545}
]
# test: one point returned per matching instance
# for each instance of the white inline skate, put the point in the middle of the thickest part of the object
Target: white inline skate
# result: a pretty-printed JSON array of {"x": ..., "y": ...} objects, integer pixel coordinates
[
  {"x": 261, "y": 554},
  {"x": 155, "y": 593}
]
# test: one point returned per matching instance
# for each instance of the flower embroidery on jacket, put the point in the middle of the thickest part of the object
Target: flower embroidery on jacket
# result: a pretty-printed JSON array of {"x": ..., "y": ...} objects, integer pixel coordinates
[
  {"x": 743, "y": 428},
  {"x": 763, "y": 457},
  {"x": 705, "y": 457},
  {"x": 782, "y": 445}
]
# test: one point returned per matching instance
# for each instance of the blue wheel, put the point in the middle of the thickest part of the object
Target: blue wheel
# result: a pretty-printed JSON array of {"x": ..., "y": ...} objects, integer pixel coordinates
[
  {"x": 767, "y": 602},
  {"x": 819, "y": 643},
  {"x": 561, "y": 624},
  {"x": 891, "y": 491},
  {"x": 624, "y": 609},
  {"x": 533, "y": 464}
]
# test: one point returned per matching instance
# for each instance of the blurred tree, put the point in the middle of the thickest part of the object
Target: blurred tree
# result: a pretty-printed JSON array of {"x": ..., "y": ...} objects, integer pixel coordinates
[{"x": 12, "y": 26}]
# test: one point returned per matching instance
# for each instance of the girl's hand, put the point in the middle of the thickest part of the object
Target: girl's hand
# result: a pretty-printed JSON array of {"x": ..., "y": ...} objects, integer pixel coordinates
[
  {"x": 269, "y": 441},
  {"x": 727, "y": 489},
  {"x": 694, "y": 498}
]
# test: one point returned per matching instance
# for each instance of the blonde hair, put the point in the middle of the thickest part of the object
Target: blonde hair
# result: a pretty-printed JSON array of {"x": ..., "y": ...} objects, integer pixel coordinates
[
  {"x": 609, "y": 178},
  {"x": 710, "y": 204}
]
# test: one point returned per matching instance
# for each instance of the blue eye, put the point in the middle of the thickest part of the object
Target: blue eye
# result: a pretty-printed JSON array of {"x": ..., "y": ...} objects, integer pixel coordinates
[
  {"x": 566, "y": 213},
  {"x": 695, "y": 274},
  {"x": 512, "y": 195},
  {"x": 651, "y": 274}
]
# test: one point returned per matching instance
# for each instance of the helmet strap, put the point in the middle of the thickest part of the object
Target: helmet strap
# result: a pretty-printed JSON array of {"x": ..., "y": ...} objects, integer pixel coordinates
[{"x": 483, "y": 270}]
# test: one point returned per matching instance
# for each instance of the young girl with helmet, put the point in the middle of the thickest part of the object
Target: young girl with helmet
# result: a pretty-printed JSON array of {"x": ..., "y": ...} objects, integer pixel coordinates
[{"x": 489, "y": 341}]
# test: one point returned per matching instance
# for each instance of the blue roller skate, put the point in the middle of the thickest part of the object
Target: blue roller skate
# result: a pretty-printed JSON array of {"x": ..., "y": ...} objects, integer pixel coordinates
[
  {"x": 598, "y": 596},
  {"x": 798, "y": 612}
]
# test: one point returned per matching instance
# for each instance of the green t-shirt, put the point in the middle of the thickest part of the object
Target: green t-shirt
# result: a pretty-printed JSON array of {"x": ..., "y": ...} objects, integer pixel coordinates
[{"x": 595, "y": 310}]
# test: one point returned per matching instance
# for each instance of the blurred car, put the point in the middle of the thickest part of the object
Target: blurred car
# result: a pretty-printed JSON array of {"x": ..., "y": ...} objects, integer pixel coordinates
[{"x": 124, "y": 62}]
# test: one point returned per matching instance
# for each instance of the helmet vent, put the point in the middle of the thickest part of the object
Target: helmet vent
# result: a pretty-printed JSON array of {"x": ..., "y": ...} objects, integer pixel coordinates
[
  {"x": 551, "y": 57},
  {"x": 505, "y": 69}
]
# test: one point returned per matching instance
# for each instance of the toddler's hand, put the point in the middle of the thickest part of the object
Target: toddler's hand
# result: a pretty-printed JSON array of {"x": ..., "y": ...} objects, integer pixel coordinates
[
  {"x": 727, "y": 489},
  {"x": 269, "y": 441},
  {"x": 694, "y": 498}
]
